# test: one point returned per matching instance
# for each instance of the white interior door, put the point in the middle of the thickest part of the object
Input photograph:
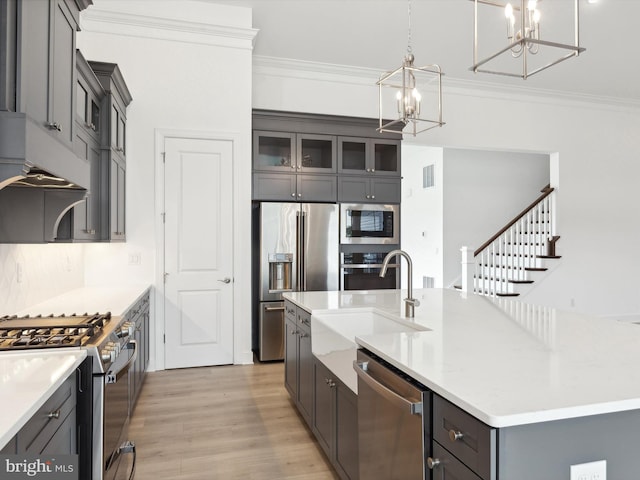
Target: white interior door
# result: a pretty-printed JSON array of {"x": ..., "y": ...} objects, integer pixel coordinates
[{"x": 198, "y": 252}]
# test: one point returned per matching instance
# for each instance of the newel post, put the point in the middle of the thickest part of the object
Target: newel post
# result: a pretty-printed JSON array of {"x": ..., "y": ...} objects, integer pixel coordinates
[{"x": 468, "y": 267}]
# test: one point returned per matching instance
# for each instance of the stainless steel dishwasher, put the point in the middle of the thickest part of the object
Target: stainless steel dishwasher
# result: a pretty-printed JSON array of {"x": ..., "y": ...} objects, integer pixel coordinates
[{"x": 392, "y": 433}]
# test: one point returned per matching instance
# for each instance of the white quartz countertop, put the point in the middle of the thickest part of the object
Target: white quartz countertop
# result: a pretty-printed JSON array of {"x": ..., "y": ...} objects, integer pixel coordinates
[
  {"x": 27, "y": 380},
  {"x": 89, "y": 300},
  {"x": 505, "y": 362}
]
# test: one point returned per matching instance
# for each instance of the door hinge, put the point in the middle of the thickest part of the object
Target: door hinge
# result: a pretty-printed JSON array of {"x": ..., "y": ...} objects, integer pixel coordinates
[
  {"x": 164, "y": 215},
  {"x": 164, "y": 338},
  {"x": 163, "y": 156}
]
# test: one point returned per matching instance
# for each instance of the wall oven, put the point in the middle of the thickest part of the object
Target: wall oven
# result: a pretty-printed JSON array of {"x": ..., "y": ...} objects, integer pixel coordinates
[
  {"x": 369, "y": 224},
  {"x": 360, "y": 270}
]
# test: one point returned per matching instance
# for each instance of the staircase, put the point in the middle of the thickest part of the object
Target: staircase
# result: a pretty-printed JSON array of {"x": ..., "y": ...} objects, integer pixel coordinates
[{"x": 516, "y": 256}]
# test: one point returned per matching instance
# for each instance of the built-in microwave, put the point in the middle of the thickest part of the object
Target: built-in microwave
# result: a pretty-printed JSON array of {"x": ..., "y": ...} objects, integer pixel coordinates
[{"x": 369, "y": 223}]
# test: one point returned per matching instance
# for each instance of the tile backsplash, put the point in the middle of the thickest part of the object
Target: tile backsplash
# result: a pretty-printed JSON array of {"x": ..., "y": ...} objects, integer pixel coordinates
[{"x": 30, "y": 274}]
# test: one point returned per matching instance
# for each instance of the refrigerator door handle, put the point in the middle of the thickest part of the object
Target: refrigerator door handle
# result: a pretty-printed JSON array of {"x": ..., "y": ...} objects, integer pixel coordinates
[
  {"x": 298, "y": 252},
  {"x": 303, "y": 252}
]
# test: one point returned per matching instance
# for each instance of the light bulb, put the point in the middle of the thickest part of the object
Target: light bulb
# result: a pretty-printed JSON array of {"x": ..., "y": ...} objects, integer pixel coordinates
[
  {"x": 416, "y": 94},
  {"x": 532, "y": 5},
  {"x": 508, "y": 11},
  {"x": 536, "y": 16}
]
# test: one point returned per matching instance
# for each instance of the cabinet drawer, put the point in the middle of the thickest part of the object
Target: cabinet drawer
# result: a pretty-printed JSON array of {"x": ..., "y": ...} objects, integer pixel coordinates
[
  {"x": 38, "y": 431},
  {"x": 472, "y": 441},
  {"x": 304, "y": 320},
  {"x": 448, "y": 467},
  {"x": 290, "y": 311}
]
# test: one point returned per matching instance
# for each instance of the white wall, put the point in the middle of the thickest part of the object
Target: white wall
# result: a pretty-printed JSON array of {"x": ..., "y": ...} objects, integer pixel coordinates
[
  {"x": 421, "y": 217},
  {"x": 476, "y": 184},
  {"x": 188, "y": 67},
  {"x": 598, "y": 165}
]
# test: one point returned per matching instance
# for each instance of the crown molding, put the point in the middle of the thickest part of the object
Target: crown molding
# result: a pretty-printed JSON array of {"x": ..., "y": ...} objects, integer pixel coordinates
[
  {"x": 290, "y": 68},
  {"x": 160, "y": 28}
]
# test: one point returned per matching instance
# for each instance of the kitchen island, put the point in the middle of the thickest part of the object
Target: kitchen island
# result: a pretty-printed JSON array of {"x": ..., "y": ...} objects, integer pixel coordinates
[{"x": 552, "y": 388}]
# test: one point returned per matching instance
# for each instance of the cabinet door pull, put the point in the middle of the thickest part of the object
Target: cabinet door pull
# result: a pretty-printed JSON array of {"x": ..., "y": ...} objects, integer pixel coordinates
[
  {"x": 455, "y": 435},
  {"x": 54, "y": 414},
  {"x": 432, "y": 462},
  {"x": 54, "y": 126}
]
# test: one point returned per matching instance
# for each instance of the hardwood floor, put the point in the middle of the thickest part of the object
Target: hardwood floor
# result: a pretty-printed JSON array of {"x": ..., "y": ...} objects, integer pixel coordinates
[{"x": 230, "y": 422}]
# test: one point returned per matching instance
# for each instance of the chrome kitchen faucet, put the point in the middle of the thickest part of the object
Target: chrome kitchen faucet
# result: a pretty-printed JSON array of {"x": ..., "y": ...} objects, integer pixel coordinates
[{"x": 409, "y": 303}]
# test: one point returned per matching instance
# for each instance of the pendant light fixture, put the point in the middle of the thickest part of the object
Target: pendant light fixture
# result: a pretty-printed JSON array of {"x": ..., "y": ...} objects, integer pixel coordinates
[
  {"x": 523, "y": 39},
  {"x": 414, "y": 94}
]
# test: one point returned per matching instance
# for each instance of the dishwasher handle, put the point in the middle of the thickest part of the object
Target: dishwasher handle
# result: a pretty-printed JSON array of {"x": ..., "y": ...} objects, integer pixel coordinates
[{"x": 415, "y": 408}]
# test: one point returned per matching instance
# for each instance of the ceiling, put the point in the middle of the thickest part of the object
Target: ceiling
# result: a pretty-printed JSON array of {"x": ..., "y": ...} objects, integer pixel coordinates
[{"x": 374, "y": 34}]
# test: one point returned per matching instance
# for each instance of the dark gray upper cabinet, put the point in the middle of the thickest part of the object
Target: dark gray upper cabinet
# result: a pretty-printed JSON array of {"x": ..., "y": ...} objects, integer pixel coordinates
[
  {"x": 368, "y": 156},
  {"x": 294, "y": 167},
  {"x": 113, "y": 121},
  {"x": 37, "y": 109},
  {"x": 294, "y": 187},
  {"x": 82, "y": 223},
  {"x": 101, "y": 99},
  {"x": 46, "y": 67},
  {"x": 285, "y": 152},
  {"x": 296, "y": 157},
  {"x": 363, "y": 189}
]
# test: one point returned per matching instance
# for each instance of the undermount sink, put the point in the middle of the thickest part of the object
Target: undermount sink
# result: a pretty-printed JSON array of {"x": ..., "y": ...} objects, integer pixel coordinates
[{"x": 352, "y": 324}]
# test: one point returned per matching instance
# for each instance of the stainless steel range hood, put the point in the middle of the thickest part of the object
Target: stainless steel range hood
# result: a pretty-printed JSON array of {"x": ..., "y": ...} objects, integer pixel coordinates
[{"x": 40, "y": 180}]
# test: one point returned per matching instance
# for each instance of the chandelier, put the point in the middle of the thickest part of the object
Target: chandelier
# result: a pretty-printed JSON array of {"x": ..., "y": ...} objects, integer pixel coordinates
[
  {"x": 522, "y": 39},
  {"x": 413, "y": 93}
]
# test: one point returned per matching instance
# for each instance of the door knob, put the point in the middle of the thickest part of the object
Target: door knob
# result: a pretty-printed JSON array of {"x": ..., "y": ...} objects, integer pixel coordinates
[{"x": 225, "y": 280}]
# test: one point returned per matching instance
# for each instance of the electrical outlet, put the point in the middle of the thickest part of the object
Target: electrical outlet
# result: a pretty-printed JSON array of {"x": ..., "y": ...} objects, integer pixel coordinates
[{"x": 589, "y": 471}]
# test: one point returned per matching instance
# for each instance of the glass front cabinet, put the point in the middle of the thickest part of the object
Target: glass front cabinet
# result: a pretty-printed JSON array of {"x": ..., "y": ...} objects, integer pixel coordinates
[{"x": 368, "y": 156}]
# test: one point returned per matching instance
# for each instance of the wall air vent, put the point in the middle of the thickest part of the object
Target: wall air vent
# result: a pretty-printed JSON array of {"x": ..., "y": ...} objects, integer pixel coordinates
[{"x": 428, "y": 179}]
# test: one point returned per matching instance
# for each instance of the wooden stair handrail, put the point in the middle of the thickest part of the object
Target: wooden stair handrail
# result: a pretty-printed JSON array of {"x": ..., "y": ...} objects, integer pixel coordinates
[{"x": 546, "y": 192}]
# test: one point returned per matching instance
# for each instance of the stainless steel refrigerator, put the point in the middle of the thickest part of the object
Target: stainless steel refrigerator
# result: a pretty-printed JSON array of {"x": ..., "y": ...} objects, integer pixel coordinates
[{"x": 299, "y": 245}]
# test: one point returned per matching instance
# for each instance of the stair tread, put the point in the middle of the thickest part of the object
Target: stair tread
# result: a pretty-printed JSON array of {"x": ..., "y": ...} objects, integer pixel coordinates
[
  {"x": 549, "y": 256},
  {"x": 520, "y": 281},
  {"x": 536, "y": 269}
]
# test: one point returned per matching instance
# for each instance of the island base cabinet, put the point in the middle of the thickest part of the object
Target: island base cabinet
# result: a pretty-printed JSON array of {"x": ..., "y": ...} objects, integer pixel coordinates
[
  {"x": 335, "y": 421},
  {"x": 52, "y": 428},
  {"x": 298, "y": 359},
  {"x": 346, "y": 437},
  {"x": 557, "y": 445},
  {"x": 448, "y": 467}
]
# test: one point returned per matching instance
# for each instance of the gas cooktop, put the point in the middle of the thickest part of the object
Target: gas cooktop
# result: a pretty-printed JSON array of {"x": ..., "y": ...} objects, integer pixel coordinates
[{"x": 19, "y": 333}]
